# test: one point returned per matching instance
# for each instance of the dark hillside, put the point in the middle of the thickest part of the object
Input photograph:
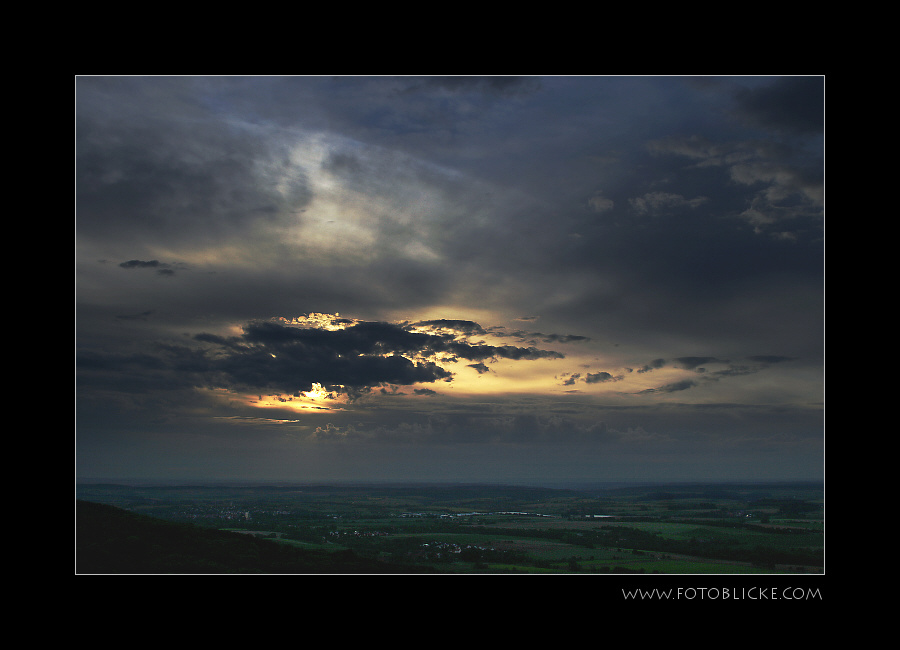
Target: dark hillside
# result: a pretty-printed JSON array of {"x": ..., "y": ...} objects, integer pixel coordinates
[{"x": 111, "y": 540}]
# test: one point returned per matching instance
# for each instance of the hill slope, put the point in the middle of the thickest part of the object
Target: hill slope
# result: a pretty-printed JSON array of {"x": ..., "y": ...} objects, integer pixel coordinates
[{"x": 112, "y": 540}]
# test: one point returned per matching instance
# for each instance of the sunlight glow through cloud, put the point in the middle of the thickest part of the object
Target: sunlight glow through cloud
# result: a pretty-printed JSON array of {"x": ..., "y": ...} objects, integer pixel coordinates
[{"x": 447, "y": 268}]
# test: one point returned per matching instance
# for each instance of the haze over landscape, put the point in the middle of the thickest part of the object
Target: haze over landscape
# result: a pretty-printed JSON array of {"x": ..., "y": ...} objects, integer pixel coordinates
[{"x": 508, "y": 279}]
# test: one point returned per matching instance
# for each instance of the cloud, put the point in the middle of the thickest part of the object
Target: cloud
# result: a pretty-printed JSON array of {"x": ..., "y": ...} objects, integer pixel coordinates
[
  {"x": 787, "y": 104},
  {"x": 271, "y": 355},
  {"x": 663, "y": 202},
  {"x": 161, "y": 268},
  {"x": 692, "y": 363},
  {"x": 783, "y": 174},
  {"x": 674, "y": 387},
  {"x": 770, "y": 358},
  {"x": 668, "y": 225},
  {"x": 151, "y": 168},
  {"x": 138, "y": 264},
  {"x": 503, "y": 86},
  {"x": 465, "y": 327},
  {"x": 598, "y": 377},
  {"x": 523, "y": 335},
  {"x": 600, "y": 203},
  {"x": 653, "y": 365},
  {"x": 142, "y": 316}
]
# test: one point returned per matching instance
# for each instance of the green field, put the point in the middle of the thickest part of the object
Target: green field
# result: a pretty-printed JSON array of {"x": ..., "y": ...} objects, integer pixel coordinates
[{"x": 672, "y": 529}]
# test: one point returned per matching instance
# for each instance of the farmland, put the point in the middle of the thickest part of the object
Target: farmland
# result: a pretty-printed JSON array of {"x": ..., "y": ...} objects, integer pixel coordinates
[{"x": 697, "y": 529}]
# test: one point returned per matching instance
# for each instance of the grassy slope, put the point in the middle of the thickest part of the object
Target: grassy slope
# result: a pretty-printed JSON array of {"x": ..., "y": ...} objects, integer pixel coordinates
[{"x": 109, "y": 540}]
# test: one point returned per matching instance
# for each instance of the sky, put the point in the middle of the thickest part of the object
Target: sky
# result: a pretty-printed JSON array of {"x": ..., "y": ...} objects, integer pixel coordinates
[{"x": 527, "y": 280}]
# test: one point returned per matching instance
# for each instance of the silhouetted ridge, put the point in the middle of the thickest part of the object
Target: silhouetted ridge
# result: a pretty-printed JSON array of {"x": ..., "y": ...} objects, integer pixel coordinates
[{"x": 112, "y": 540}]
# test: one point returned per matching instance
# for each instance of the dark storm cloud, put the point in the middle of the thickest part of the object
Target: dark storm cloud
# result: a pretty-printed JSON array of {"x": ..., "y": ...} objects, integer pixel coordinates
[
  {"x": 151, "y": 164},
  {"x": 289, "y": 359},
  {"x": 160, "y": 267},
  {"x": 258, "y": 363},
  {"x": 647, "y": 223},
  {"x": 490, "y": 85},
  {"x": 653, "y": 365},
  {"x": 599, "y": 377},
  {"x": 698, "y": 364},
  {"x": 385, "y": 338},
  {"x": 142, "y": 316},
  {"x": 547, "y": 338},
  {"x": 471, "y": 328},
  {"x": 792, "y": 103},
  {"x": 691, "y": 363},
  {"x": 138, "y": 264},
  {"x": 443, "y": 324},
  {"x": 418, "y": 115},
  {"x": 211, "y": 173},
  {"x": 769, "y": 358},
  {"x": 674, "y": 387}
]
